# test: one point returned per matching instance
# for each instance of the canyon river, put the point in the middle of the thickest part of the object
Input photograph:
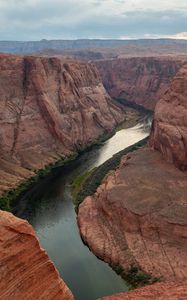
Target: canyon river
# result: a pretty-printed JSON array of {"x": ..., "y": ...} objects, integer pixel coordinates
[{"x": 49, "y": 208}]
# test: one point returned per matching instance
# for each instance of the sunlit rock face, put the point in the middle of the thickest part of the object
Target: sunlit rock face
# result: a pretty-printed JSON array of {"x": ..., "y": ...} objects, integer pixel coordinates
[
  {"x": 169, "y": 134},
  {"x": 49, "y": 108},
  {"x": 138, "y": 215},
  {"x": 25, "y": 269},
  {"x": 138, "y": 79},
  {"x": 158, "y": 291}
]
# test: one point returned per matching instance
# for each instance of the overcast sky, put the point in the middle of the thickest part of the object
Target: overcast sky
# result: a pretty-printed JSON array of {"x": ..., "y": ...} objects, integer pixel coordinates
[{"x": 71, "y": 19}]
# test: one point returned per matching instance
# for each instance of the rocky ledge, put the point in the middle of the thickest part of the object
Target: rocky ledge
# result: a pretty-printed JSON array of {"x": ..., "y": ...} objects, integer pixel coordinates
[
  {"x": 138, "y": 217},
  {"x": 169, "y": 134},
  {"x": 158, "y": 291},
  {"x": 25, "y": 269}
]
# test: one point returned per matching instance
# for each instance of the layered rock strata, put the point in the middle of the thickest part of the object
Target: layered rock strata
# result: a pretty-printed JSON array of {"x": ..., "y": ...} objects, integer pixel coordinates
[
  {"x": 49, "y": 108},
  {"x": 138, "y": 216},
  {"x": 158, "y": 291},
  {"x": 169, "y": 134},
  {"x": 139, "y": 79},
  {"x": 25, "y": 269}
]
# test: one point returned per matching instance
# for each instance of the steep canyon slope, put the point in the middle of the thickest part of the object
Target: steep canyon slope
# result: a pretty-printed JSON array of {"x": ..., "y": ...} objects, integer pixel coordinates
[
  {"x": 138, "y": 216},
  {"x": 49, "y": 109},
  {"x": 139, "y": 79},
  {"x": 25, "y": 269},
  {"x": 169, "y": 134}
]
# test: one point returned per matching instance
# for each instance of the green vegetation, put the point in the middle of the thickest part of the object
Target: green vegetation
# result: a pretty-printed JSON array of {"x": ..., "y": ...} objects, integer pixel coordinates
[
  {"x": 78, "y": 182},
  {"x": 93, "y": 180},
  {"x": 135, "y": 277},
  {"x": 135, "y": 106},
  {"x": 9, "y": 198}
]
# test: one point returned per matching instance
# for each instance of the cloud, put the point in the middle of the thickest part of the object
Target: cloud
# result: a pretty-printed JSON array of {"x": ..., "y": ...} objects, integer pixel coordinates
[{"x": 62, "y": 19}]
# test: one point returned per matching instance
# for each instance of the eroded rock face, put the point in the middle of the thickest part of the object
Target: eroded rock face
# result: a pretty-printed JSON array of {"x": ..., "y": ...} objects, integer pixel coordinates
[
  {"x": 141, "y": 80},
  {"x": 25, "y": 269},
  {"x": 49, "y": 108},
  {"x": 169, "y": 134},
  {"x": 138, "y": 216},
  {"x": 158, "y": 291}
]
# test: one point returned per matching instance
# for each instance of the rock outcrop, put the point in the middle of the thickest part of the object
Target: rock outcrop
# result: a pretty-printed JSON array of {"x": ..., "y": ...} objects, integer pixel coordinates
[
  {"x": 138, "y": 216},
  {"x": 49, "y": 109},
  {"x": 139, "y": 79},
  {"x": 25, "y": 269},
  {"x": 158, "y": 291},
  {"x": 169, "y": 134}
]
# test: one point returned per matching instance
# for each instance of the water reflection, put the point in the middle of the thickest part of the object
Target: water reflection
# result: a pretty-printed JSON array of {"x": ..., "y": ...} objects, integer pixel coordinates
[{"x": 49, "y": 208}]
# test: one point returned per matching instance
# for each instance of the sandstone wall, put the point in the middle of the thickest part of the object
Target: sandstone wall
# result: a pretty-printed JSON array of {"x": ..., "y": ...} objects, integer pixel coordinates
[
  {"x": 25, "y": 269},
  {"x": 159, "y": 291},
  {"x": 139, "y": 79},
  {"x": 169, "y": 133},
  {"x": 49, "y": 108},
  {"x": 138, "y": 217}
]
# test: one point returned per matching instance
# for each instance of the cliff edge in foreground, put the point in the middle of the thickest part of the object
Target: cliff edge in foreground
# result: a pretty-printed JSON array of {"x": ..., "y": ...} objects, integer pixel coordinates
[{"x": 25, "y": 269}]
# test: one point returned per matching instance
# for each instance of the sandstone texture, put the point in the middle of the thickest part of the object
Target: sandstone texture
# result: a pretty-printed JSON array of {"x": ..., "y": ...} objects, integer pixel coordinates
[
  {"x": 25, "y": 269},
  {"x": 49, "y": 109},
  {"x": 158, "y": 291},
  {"x": 139, "y": 79},
  {"x": 169, "y": 134},
  {"x": 138, "y": 217}
]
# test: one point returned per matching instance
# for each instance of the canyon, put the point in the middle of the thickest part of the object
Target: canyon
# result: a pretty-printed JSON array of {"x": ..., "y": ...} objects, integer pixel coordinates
[
  {"x": 50, "y": 108},
  {"x": 25, "y": 269},
  {"x": 169, "y": 134},
  {"x": 142, "y": 80},
  {"x": 137, "y": 217}
]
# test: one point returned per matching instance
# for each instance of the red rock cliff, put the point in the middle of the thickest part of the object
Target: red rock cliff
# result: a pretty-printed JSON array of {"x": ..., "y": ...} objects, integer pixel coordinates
[
  {"x": 139, "y": 79},
  {"x": 169, "y": 134},
  {"x": 159, "y": 291},
  {"x": 138, "y": 216},
  {"x": 49, "y": 108},
  {"x": 25, "y": 269}
]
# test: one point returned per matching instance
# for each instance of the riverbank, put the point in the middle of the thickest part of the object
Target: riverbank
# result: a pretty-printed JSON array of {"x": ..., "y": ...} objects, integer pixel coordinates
[
  {"x": 9, "y": 198},
  {"x": 49, "y": 208},
  {"x": 86, "y": 184}
]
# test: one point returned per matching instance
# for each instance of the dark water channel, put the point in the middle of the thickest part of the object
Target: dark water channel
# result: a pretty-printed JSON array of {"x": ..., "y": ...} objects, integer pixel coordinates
[{"x": 49, "y": 208}]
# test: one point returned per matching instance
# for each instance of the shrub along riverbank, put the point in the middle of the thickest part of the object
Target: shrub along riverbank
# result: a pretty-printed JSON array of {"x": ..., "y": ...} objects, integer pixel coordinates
[
  {"x": 87, "y": 183},
  {"x": 9, "y": 199}
]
